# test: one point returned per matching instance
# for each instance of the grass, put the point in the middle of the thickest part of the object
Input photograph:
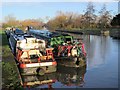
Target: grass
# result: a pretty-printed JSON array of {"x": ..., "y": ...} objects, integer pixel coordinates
[
  {"x": 0, "y": 42},
  {"x": 9, "y": 70},
  {"x": 5, "y": 48}
]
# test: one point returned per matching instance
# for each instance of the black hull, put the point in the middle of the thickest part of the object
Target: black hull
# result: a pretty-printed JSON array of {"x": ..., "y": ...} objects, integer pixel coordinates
[{"x": 71, "y": 61}]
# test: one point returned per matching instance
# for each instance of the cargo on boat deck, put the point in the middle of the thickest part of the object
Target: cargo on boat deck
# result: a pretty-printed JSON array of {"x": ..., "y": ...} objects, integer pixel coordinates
[
  {"x": 31, "y": 54},
  {"x": 63, "y": 44}
]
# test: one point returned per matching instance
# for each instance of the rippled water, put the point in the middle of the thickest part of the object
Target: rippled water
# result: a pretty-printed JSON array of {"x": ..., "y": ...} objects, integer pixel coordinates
[{"x": 101, "y": 70}]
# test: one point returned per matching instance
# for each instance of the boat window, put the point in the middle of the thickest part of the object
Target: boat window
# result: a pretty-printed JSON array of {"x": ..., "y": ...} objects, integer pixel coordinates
[{"x": 27, "y": 36}]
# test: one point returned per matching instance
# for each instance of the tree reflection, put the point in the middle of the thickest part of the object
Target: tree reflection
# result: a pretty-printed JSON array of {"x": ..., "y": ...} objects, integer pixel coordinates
[{"x": 97, "y": 49}]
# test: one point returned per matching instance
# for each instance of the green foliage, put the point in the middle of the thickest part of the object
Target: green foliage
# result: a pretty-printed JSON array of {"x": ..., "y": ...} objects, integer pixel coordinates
[
  {"x": 9, "y": 76},
  {"x": 9, "y": 70},
  {"x": 116, "y": 20},
  {"x": 5, "y": 48}
]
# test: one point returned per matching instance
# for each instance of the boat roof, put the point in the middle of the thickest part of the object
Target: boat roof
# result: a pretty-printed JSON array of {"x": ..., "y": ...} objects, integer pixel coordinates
[
  {"x": 20, "y": 35},
  {"x": 47, "y": 33}
]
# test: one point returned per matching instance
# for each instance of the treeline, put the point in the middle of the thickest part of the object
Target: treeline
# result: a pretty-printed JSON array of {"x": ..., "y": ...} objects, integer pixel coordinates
[
  {"x": 88, "y": 20},
  {"x": 11, "y": 21},
  {"x": 116, "y": 21},
  {"x": 69, "y": 20}
]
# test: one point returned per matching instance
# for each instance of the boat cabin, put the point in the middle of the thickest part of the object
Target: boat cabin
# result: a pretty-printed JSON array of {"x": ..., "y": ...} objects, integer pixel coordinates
[{"x": 20, "y": 40}]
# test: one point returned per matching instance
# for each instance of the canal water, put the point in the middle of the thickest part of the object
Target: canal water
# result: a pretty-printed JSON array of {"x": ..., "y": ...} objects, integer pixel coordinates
[{"x": 101, "y": 70}]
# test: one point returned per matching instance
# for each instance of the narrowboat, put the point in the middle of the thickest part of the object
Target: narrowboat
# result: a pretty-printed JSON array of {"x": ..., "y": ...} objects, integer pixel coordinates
[
  {"x": 7, "y": 31},
  {"x": 31, "y": 54},
  {"x": 66, "y": 48}
]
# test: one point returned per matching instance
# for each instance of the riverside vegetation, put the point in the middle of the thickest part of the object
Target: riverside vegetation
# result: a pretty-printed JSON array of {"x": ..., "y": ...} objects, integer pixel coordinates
[{"x": 10, "y": 74}]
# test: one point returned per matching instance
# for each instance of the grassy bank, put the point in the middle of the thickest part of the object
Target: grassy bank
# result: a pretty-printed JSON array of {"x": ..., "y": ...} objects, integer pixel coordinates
[{"x": 9, "y": 70}]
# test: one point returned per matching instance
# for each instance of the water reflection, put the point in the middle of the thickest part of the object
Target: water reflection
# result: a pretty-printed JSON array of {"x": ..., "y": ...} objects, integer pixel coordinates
[
  {"x": 67, "y": 76},
  {"x": 97, "y": 48},
  {"x": 34, "y": 80}
]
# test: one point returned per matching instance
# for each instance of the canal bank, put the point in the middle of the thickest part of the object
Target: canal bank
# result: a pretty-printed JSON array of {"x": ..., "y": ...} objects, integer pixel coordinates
[
  {"x": 113, "y": 32},
  {"x": 10, "y": 74},
  {"x": 85, "y": 32}
]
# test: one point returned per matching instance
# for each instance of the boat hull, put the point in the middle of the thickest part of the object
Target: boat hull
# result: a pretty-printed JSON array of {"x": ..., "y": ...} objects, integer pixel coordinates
[
  {"x": 71, "y": 61},
  {"x": 37, "y": 68}
]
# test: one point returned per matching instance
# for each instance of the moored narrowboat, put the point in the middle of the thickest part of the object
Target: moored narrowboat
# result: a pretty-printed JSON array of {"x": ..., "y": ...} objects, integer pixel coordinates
[
  {"x": 66, "y": 48},
  {"x": 31, "y": 55}
]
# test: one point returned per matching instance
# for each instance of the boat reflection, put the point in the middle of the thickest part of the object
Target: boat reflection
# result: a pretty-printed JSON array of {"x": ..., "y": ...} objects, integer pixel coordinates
[
  {"x": 67, "y": 76},
  {"x": 36, "y": 80},
  {"x": 70, "y": 76}
]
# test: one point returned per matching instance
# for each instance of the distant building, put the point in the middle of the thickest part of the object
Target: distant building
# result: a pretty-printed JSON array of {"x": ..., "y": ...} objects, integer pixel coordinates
[{"x": 45, "y": 26}]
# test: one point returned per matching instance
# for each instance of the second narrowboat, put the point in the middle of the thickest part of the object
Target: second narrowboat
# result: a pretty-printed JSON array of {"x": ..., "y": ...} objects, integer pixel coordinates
[{"x": 67, "y": 50}]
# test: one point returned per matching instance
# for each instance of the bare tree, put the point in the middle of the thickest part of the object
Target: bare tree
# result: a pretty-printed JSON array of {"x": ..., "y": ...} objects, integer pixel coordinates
[
  {"x": 11, "y": 20},
  {"x": 105, "y": 17},
  {"x": 89, "y": 15}
]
